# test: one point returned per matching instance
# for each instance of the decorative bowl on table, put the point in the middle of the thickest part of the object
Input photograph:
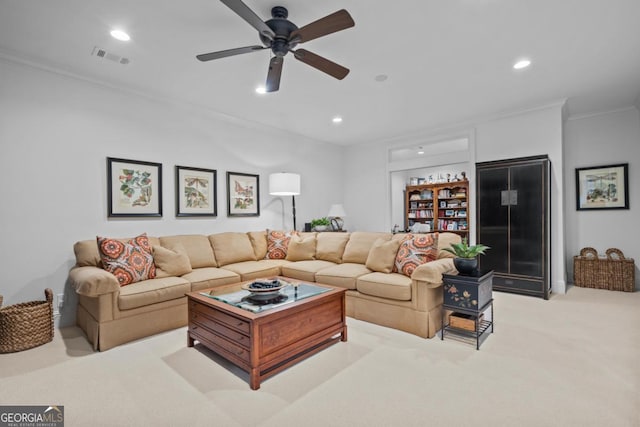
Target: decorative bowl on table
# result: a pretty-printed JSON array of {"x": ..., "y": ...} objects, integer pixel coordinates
[{"x": 263, "y": 291}]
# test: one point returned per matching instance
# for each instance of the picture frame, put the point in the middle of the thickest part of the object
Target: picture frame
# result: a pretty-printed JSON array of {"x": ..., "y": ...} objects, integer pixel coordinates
[
  {"x": 243, "y": 194},
  {"x": 196, "y": 192},
  {"x": 602, "y": 187},
  {"x": 134, "y": 188}
]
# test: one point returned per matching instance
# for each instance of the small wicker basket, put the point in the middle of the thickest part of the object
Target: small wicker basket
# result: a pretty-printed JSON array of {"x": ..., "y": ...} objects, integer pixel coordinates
[
  {"x": 613, "y": 272},
  {"x": 26, "y": 325}
]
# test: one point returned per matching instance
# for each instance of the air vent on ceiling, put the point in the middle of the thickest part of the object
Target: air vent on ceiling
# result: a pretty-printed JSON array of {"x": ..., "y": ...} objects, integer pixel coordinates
[{"x": 103, "y": 54}]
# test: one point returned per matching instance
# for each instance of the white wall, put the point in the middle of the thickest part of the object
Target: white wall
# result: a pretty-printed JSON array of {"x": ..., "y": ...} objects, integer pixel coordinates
[
  {"x": 534, "y": 132},
  {"x": 604, "y": 139},
  {"x": 55, "y": 135}
]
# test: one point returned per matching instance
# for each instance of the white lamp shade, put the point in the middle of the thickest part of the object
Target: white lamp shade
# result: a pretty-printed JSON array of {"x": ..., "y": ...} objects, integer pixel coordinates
[
  {"x": 284, "y": 184},
  {"x": 336, "y": 211}
]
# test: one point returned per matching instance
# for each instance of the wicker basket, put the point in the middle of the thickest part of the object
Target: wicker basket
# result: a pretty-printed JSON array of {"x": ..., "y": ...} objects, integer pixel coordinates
[
  {"x": 26, "y": 325},
  {"x": 613, "y": 272}
]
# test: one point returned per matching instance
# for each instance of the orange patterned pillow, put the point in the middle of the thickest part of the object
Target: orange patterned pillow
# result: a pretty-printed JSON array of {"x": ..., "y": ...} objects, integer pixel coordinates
[
  {"x": 415, "y": 250},
  {"x": 278, "y": 243},
  {"x": 130, "y": 261}
]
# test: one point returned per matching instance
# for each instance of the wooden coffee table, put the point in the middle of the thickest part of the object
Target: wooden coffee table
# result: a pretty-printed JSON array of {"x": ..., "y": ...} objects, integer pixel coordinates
[{"x": 267, "y": 342}]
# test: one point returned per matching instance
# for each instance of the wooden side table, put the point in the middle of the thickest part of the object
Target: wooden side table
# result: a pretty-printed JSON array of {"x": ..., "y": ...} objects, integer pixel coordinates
[{"x": 472, "y": 296}]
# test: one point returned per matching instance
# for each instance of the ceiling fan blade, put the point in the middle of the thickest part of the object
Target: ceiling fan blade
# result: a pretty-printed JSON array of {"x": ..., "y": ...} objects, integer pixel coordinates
[
  {"x": 229, "y": 52},
  {"x": 275, "y": 71},
  {"x": 320, "y": 63},
  {"x": 249, "y": 15},
  {"x": 337, "y": 21}
]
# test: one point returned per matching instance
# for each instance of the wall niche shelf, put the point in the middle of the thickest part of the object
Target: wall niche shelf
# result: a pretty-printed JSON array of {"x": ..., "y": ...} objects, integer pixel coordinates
[{"x": 442, "y": 206}]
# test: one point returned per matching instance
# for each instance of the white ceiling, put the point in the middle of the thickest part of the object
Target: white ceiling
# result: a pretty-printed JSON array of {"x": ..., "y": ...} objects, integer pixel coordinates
[{"x": 447, "y": 61}]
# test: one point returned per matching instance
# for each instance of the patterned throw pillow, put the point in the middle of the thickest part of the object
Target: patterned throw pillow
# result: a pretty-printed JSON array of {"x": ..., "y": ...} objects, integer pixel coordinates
[
  {"x": 130, "y": 261},
  {"x": 278, "y": 243},
  {"x": 415, "y": 250}
]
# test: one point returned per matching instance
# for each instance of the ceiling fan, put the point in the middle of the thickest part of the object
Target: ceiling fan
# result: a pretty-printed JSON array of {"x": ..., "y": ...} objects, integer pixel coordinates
[{"x": 281, "y": 36}]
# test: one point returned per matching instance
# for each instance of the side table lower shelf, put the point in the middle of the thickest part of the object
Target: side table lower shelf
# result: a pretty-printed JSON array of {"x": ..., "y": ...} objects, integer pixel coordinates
[{"x": 483, "y": 325}]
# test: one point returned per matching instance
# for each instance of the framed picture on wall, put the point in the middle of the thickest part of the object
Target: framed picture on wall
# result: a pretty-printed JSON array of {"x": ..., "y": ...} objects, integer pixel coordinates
[
  {"x": 196, "y": 193},
  {"x": 134, "y": 188},
  {"x": 602, "y": 187},
  {"x": 243, "y": 194}
]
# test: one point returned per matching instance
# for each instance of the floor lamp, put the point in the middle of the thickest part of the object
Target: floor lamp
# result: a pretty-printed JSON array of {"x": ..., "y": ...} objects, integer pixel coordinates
[{"x": 285, "y": 184}]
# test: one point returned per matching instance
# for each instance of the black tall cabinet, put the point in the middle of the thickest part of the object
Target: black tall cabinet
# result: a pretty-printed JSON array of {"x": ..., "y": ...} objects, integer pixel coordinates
[{"x": 513, "y": 218}]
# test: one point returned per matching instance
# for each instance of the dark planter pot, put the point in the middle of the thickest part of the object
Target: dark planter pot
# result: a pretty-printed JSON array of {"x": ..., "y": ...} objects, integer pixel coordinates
[{"x": 466, "y": 265}]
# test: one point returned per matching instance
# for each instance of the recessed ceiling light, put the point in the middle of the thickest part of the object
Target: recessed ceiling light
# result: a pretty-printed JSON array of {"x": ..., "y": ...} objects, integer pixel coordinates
[
  {"x": 381, "y": 77},
  {"x": 420, "y": 152},
  {"x": 120, "y": 35},
  {"x": 523, "y": 63},
  {"x": 261, "y": 90},
  {"x": 337, "y": 119}
]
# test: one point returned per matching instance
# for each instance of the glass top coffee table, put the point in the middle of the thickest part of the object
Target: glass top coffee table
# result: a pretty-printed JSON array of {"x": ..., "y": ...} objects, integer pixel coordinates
[
  {"x": 266, "y": 337},
  {"x": 258, "y": 302}
]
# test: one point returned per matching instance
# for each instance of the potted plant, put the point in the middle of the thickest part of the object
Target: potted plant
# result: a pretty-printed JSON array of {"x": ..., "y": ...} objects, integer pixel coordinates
[
  {"x": 466, "y": 256},
  {"x": 320, "y": 224}
]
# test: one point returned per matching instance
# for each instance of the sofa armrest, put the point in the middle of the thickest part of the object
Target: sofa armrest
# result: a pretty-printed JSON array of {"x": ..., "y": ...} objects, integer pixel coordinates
[
  {"x": 93, "y": 281},
  {"x": 431, "y": 272}
]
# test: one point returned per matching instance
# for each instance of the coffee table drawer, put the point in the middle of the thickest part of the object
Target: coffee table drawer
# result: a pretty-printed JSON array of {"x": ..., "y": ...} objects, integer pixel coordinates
[
  {"x": 220, "y": 341},
  {"x": 221, "y": 329},
  {"x": 198, "y": 310}
]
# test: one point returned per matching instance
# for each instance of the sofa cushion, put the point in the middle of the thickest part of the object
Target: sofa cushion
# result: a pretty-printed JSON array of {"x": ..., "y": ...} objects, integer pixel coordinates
[
  {"x": 385, "y": 285},
  {"x": 248, "y": 270},
  {"x": 330, "y": 246},
  {"x": 342, "y": 275},
  {"x": 382, "y": 255},
  {"x": 278, "y": 243},
  {"x": 444, "y": 241},
  {"x": 259, "y": 242},
  {"x": 88, "y": 255},
  {"x": 415, "y": 250},
  {"x": 197, "y": 247},
  {"x": 210, "y": 277},
  {"x": 305, "y": 270},
  {"x": 359, "y": 244},
  {"x": 130, "y": 261},
  {"x": 171, "y": 262},
  {"x": 301, "y": 249},
  {"x": 232, "y": 247},
  {"x": 152, "y": 291}
]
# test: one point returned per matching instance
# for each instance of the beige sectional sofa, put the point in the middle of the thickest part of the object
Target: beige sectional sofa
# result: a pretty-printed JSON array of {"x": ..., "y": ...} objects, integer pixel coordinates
[{"x": 111, "y": 314}]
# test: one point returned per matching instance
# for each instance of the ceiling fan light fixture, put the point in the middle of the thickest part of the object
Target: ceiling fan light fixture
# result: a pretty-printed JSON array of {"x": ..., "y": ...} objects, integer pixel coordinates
[
  {"x": 521, "y": 64},
  {"x": 120, "y": 35}
]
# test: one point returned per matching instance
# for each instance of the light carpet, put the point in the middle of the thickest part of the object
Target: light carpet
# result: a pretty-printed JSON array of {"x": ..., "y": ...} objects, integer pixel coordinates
[{"x": 571, "y": 361}]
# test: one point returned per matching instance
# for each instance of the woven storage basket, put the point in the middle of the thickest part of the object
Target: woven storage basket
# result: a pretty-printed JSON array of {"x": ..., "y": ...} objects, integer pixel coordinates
[
  {"x": 613, "y": 272},
  {"x": 26, "y": 325}
]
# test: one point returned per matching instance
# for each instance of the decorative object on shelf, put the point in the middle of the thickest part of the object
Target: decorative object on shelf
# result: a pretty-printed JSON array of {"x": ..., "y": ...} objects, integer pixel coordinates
[
  {"x": 285, "y": 184},
  {"x": 196, "y": 193},
  {"x": 466, "y": 256},
  {"x": 320, "y": 224},
  {"x": 336, "y": 213},
  {"x": 243, "y": 194},
  {"x": 602, "y": 187},
  {"x": 134, "y": 188}
]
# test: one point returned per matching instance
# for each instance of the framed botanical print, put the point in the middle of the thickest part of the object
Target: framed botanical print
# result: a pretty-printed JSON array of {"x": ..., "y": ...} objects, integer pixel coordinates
[
  {"x": 602, "y": 187},
  {"x": 243, "y": 194},
  {"x": 196, "y": 192},
  {"x": 134, "y": 188}
]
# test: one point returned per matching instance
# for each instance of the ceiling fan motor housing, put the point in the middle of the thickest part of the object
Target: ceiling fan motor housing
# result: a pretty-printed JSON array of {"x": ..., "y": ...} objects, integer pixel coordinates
[{"x": 282, "y": 28}]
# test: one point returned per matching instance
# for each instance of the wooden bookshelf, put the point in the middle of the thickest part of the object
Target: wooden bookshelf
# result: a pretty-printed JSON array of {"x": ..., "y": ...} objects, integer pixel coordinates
[{"x": 443, "y": 206}]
